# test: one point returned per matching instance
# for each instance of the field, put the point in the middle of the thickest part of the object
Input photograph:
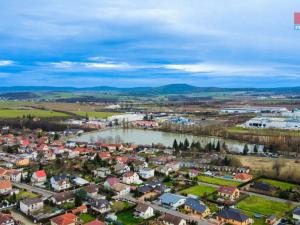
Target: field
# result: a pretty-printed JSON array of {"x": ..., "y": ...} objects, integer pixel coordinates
[
  {"x": 102, "y": 115},
  {"x": 10, "y": 113},
  {"x": 264, "y": 164},
  {"x": 280, "y": 184},
  {"x": 127, "y": 218},
  {"x": 26, "y": 194},
  {"x": 86, "y": 218},
  {"x": 263, "y": 132},
  {"x": 264, "y": 206},
  {"x": 217, "y": 181},
  {"x": 198, "y": 190}
]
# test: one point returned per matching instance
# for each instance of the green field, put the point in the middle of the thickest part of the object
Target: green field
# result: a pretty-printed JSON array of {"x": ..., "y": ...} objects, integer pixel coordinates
[
  {"x": 198, "y": 190},
  {"x": 25, "y": 194},
  {"x": 86, "y": 218},
  {"x": 127, "y": 218},
  {"x": 102, "y": 115},
  {"x": 218, "y": 181},
  {"x": 279, "y": 184},
  {"x": 10, "y": 113},
  {"x": 263, "y": 132},
  {"x": 264, "y": 206}
]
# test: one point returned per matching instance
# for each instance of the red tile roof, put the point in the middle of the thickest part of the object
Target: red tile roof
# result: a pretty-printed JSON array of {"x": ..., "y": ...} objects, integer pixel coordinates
[
  {"x": 65, "y": 219},
  {"x": 227, "y": 190},
  {"x": 40, "y": 173}
]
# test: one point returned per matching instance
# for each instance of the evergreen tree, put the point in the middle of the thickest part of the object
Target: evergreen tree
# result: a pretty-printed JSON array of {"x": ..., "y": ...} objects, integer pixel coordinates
[
  {"x": 175, "y": 145},
  {"x": 186, "y": 144},
  {"x": 245, "y": 150},
  {"x": 198, "y": 146},
  {"x": 255, "y": 150},
  {"x": 180, "y": 146},
  {"x": 218, "y": 147}
]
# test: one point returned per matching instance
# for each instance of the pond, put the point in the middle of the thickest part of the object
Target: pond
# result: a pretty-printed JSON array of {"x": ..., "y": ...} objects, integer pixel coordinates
[{"x": 148, "y": 137}]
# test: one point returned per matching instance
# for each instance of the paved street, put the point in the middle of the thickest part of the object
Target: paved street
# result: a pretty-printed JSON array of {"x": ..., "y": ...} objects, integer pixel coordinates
[
  {"x": 45, "y": 193},
  {"x": 165, "y": 210}
]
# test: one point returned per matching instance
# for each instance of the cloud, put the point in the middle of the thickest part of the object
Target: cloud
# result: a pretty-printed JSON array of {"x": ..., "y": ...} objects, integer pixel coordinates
[{"x": 6, "y": 62}]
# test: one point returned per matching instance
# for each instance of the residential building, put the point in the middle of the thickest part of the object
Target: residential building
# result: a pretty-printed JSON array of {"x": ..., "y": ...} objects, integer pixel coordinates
[
  {"x": 39, "y": 176},
  {"x": 7, "y": 219},
  {"x": 296, "y": 213},
  {"x": 60, "y": 183},
  {"x": 5, "y": 186},
  {"x": 233, "y": 216},
  {"x": 121, "y": 189},
  {"x": 65, "y": 219},
  {"x": 172, "y": 200},
  {"x": 193, "y": 206},
  {"x": 29, "y": 206},
  {"x": 91, "y": 190},
  {"x": 146, "y": 173},
  {"x": 244, "y": 177},
  {"x": 63, "y": 197},
  {"x": 99, "y": 205},
  {"x": 144, "y": 211},
  {"x": 229, "y": 192},
  {"x": 169, "y": 219},
  {"x": 131, "y": 178},
  {"x": 102, "y": 172}
]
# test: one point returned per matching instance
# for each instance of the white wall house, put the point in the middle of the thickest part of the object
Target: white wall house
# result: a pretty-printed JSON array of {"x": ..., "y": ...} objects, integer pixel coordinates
[
  {"x": 29, "y": 206},
  {"x": 146, "y": 173},
  {"x": 144, "y": 211},
  {"x": 131, "y": 178}
]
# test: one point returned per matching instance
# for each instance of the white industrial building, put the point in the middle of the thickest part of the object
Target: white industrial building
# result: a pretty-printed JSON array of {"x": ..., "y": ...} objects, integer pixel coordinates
[
  {"x": 273, "y": 122},
  {"x": 249, "y": 109},
  {"x": 130, "y": 117}
]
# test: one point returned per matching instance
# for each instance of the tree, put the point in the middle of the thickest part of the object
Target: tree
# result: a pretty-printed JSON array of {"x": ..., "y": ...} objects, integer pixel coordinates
[
  {"x": 218, "y": 147},
  {"x": 56, "y": 136},
  {"x": 255, "y": 150},
  {"x": 175, "y": 145},
  {"x": 198, "y": 146},
  {"x": 245, "y": 150},
  {"x": 180, "y": 146},
  {"x": 186, "y": 144},
  {"x": 80, "y": 195}
]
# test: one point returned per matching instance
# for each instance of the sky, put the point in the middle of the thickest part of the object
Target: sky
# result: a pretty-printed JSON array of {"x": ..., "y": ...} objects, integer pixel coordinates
[{"x": 120, "y": 43}]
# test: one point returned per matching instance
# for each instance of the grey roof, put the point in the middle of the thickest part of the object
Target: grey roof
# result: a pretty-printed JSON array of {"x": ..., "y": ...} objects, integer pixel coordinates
[
  {"x": 172, "y": 219},
  {"x": 233, "y": 214},
  {"x": 297, "y": 211},
  {"x": 30, "y": 201},
  {"x": 195, "y": 205},
  {"x": 169, "y": 198}
]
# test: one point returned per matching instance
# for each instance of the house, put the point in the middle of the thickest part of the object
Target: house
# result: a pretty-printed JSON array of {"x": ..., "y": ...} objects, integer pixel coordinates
[
  {"x": 296, "y": 213},
  {"x": 80, "y": 209},
  {"x": 229, "y": 192},
  {"x": 14, "y": 175},
  {"x": 244, "y": 177},
  {"x": 193, "y": 173},
  {"x": 102, "y": 172},
  {"x": 110, "y": 182},
  {"x": 29, "y": 206},
  {"x": 80, "y": 181},
  {"x": 131, "y": 178},
  {"x": 63, "y": 197},
  {"x": 91, "y": 190},
  {"x": 233, "y": 216},
  {"x": 99, "y": 205},
  {"x": 95, "y": 222},
  {"x": 7, "y": 219},
  {"x": 144, "y": 211},
  {"x": 60, "y": 183},
  {"x": 5, "y": 186},
  {"x": 105, "y": 156},
  {"x": 172, "y": 200},
  {"x": 65, "y": 219},
  {"x": 169, "y": 219},
  {"x": 146, "y": 173},
  {"x": 271, "y": 219},
  {"x": 193, "y": 206},
  {"x": 121, "y": 189},
  {"x": 39, "y": 177},
  {"x": 121, "y": 168}
]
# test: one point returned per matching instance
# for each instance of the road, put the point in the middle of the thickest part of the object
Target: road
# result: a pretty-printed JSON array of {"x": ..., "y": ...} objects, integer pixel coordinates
[
  {"x": 165, "y": 210},
  {"x": 45, "y": 193}
]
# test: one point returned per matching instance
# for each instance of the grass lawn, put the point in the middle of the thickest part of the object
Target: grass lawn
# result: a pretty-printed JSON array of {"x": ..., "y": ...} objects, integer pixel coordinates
[
  {"x": 26, "y": 194},
  {"x": 280, "y": 184},
  {"x": 126, "y": 217},
  {"x": 257, "y": 221},
  {"x": 95, "y": 114},
  {"x": 267, "y": 132},
  {"x": 85, "y": 217},
  {"x": 218, "y": 181},
  {"x": 198, "y": 190},
  {"x": 264, "y": 206},
  {"x": 11, "y": 113}
]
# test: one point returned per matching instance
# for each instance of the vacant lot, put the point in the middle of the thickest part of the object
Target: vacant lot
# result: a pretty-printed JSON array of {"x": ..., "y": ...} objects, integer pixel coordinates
[
  {"x": 264, "y": 206},
  {"x": 102, "y": 115},
  {"x": 263, "y": 132},
  {"x": 280, "y": 184},
  {"x": 85, "y": 217},
  {"x": 10, "y": 113},
  {"x": 198, "y": 190},
  {"x": 127, "y": 218},
  {"x": 218, "y": 181},
  {"x": 264, "y": 165}
]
